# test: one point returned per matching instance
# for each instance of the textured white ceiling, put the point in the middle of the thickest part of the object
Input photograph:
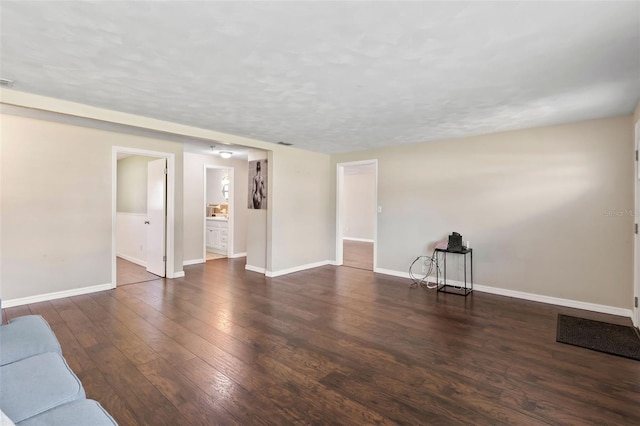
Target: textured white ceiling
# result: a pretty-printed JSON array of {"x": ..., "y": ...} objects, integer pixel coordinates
[{"x": 332, "y": 76}]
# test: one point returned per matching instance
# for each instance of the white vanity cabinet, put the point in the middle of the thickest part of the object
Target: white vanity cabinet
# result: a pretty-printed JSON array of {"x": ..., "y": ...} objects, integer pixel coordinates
[{"x": 217, "y": 235}]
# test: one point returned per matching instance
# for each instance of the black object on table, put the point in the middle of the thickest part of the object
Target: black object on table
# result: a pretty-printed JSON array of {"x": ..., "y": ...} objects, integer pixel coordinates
[{"x": 455, "y": 289}]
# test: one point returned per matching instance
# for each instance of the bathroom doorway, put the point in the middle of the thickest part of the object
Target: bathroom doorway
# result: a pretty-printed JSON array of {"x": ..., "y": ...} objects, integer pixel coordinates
[{"x": 218, "y": 212}]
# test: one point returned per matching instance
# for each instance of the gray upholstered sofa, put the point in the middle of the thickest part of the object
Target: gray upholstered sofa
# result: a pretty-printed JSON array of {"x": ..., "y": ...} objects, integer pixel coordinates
[{"x": 37, "y": 387}]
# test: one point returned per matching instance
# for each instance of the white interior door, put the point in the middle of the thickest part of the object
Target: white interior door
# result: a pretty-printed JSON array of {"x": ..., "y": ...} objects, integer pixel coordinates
[{"x": 156, "y": 216}]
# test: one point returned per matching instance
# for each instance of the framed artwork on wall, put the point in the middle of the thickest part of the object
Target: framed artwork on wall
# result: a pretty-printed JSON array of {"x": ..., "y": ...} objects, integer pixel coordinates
[{"x": 258, "y": 184}]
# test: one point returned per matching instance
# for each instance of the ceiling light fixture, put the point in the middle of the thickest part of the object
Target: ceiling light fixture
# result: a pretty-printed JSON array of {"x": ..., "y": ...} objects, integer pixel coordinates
[
  {"x": 226, "y": 154},
  {"x": 6, "y": 82}
]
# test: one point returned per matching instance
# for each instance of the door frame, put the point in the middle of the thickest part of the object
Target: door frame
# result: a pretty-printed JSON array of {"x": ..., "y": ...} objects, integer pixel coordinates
[
  {"x": 230, "y": 220},
  {"x": 339, "y": 209},
  {"x": 169, "y": 225},
  {"x": 635, "y": 317}
]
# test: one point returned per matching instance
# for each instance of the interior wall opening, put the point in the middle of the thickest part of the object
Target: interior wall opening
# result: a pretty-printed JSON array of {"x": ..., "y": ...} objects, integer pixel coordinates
[
  {"x": 218, "y": 212},
  {"x": 357, "y": 214},
  {"x": 142, "y": 247}
]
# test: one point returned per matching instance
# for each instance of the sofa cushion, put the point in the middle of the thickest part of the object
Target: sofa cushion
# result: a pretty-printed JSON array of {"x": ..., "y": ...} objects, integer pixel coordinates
[
  {"x": 26, "y": 336},
  {"x": 77, "y": 413},
  {"x": 37, "y": 384}
]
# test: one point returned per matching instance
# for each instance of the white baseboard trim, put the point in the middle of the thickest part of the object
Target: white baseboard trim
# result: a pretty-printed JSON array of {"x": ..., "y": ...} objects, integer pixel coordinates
[
  {"x": 299, "y": 268},
  {"x": 254, "y": 269},
  {"x": 56, "y": 295},
  {"x": 605, "y": 309},
  {"x": 362, "y": 240},
  {"x": 595, "y": 307},
  {"x": 392, "y": 272},
  {"x": 192, "y": 262},
  {"x": 237, "y": 255},
  {"x": 178, "y": 274},
  {"x": 132, "y": 259}
]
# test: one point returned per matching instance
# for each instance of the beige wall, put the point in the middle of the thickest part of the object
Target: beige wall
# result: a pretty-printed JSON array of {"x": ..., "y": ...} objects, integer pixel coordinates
[
  {"x": 546, "y": 209},
  {"x": 56, "y": 204},
  {"x": 132, "y": 184},
  {"x": 302, "y": 206},
  {"x": 194, "y": 203}
]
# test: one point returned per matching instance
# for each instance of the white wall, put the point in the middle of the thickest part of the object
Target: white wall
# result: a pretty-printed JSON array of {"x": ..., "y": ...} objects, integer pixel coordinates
[
  {"x": 214, "y": 186},
  {"x": 131, "y": 237},
  {"x": 132, "y": 184},
  {"x": 545, "y": 209},
  {"x": 56, "y": 203},
  {"x": 358, "y": 204},
  {"x": 194, "y": 203}
]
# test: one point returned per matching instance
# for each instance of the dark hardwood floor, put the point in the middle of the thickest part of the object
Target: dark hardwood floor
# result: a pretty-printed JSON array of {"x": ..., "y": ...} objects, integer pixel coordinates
[
  {"x": 130, "y": 273},
  {"x": 357, "y": 254},
  {"x": 331, "y": 345}
]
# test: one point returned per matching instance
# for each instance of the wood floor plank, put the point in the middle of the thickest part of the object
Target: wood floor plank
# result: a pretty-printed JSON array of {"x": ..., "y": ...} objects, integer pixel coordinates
[
  {"x": 130, "y": 273},
  {"x": 16, "y": 311},
  {"x": 46, "y": 310},
  {"x": 250, "y": 407},
  {"x": 98, "y": 388},
  {"x": 357, "y": 254},
  {"x": 321, "y": 402},
  {"x": 198, "y": 408},
  {"x": 331, "y": 345},
  {"x": 146, "y": 402},
  {"x": 152, "y": 336}
]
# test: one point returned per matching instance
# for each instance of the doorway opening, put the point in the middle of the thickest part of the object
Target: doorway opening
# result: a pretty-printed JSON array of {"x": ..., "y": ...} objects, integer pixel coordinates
[
  {"x": 356, "y": 224},
  {"x": 218, "y": 212},
  {"x": 142, "y": 215}
]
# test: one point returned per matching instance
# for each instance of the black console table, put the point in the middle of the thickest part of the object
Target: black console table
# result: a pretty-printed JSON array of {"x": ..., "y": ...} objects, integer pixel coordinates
[{"x": 455, "y": 289}]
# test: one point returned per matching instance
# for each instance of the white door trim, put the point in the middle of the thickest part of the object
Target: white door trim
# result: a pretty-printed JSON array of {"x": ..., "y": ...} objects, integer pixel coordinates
[
  {"x": 230, "y": 221},
  {"x": 339, "y": 207},
  {"x": 171, "y": 184},
  {"x": 636, "y": 243}
]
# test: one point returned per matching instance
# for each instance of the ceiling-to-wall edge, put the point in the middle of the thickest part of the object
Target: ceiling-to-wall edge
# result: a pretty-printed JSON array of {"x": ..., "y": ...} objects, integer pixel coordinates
[{"x": 44, "y": 103}]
